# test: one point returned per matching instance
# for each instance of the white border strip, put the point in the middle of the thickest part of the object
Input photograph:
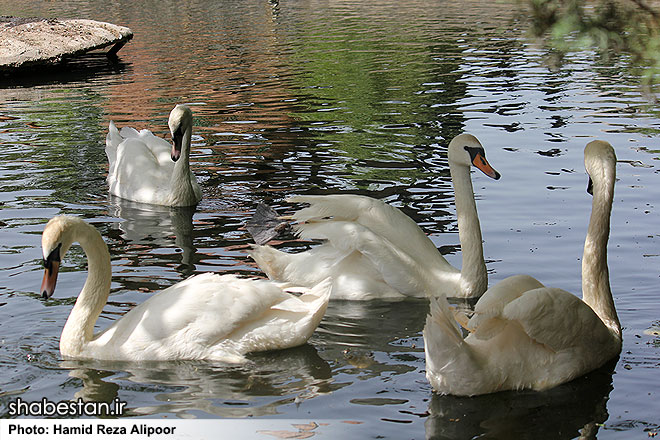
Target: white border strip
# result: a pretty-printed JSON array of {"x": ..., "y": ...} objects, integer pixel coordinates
[{"x": 163, "y": 429}]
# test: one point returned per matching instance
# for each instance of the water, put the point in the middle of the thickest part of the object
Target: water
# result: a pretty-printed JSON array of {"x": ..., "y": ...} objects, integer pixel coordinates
[{"x": 340, "y": 97}]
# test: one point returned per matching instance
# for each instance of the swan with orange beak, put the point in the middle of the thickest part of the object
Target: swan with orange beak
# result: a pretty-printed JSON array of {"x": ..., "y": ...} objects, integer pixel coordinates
[{"x": 373, "y": 250}]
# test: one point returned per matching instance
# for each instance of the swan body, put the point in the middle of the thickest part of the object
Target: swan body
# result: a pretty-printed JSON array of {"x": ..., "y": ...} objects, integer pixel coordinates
[
  {"x": 373, "y": 250},
  {"x": 526, "y": 335},
  {"x": 147, "y": 169},
  {"x": 207, "y": 316}
]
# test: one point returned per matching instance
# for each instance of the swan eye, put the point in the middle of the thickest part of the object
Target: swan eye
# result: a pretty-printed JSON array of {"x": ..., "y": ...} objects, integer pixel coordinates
[
  {"x": 474, "y": 152},
  {"x": 53, "y": 256},
  {"x": 590, "y": 186}
]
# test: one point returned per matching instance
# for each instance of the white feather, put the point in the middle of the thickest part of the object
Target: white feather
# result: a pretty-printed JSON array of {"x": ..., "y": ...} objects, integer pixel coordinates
[
  {"x": 141, "y": 166},
  {"x": 207, "y": 316},
  {"x": 526, "y": 335},
  {"x": 373, "y": 250}
]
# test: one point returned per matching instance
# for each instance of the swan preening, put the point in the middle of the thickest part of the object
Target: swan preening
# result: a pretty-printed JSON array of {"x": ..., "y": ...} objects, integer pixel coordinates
[
  {"x": 373, "y": 250},
  {"x": 147, "y": 169},
  {"x": 207, "y": 316},
  {"x": 525, "y": 335}
]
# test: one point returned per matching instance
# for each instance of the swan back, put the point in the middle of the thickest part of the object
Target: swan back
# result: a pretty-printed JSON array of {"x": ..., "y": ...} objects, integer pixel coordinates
[
  {"x": 211, "y": 316},
  {"x": 375, "y": 215}
]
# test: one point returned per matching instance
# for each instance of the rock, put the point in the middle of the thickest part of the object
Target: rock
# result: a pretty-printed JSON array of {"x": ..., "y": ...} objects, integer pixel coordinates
[{"x": 34, "y": 42}]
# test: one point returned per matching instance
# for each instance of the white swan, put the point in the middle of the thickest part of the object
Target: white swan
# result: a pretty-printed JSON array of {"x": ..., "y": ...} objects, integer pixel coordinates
[
  {"x": 147, "y": 169},
  {"x": 207, "y": 316},
  {"x": 373, "y": 250},
  {"x": 525, "y": 335}
]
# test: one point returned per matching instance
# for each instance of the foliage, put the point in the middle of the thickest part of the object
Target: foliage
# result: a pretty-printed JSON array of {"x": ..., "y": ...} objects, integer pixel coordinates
[{"x": 614, "y": 27}]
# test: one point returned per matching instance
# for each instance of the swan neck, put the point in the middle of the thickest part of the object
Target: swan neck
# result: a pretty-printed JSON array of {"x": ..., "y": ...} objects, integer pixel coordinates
[
  {"x": 79, "y": 328},
  {"x": 474, "y": 277},
  {"x": 596, "y": 290}
]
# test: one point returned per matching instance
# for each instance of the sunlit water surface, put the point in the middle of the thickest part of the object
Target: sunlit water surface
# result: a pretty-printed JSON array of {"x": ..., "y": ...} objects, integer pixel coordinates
[{"x": 339, "y": 97}]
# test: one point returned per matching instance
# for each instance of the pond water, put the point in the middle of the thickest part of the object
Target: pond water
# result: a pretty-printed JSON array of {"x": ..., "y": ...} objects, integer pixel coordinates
[{"x": 330, "y": 97}]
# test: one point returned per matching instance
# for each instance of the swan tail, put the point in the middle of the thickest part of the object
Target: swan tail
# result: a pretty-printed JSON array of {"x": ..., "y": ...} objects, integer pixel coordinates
[
  {"x": 317, "y": 298},
  {"x": 322, "y": 290},
  {"x": 113, "y": 137},
  {"x": 442, "y": 317},
  {"x": 289, "y": 322},
  {"x": 450, "y": 364},
  {"x": 112, "y": 141},
  {"x": 313, "y": 300},
  {"x": 265, "y": 225},
  {"x": 272, "y": 261}
]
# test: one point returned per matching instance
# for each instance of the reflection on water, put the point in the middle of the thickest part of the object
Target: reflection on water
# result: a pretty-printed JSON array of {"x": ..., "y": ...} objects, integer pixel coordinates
[
  {"x": 153, "y": 225},
  {"x": 574, "y": 409},
  {"x": 184, "y": 388},
  {"x": 85, "y": 68},
  {"x": 300, "y": 97}
]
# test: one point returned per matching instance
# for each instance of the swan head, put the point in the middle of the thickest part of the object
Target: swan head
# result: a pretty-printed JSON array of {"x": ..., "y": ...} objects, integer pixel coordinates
[
  {"x": 180, "y": 121},
  {"x": 466, "y": 150},
  {"x": 600, "y": 163},
  {"x": 56, "y": 240}
]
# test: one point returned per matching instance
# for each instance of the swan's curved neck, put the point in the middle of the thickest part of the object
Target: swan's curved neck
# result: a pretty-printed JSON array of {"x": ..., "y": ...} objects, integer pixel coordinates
[
  {"x": 474, "y": 277},
  {"x": 79, "y": 328},
  {"x": 181, "y": 185},
  {"x": 595, "y": 274}
]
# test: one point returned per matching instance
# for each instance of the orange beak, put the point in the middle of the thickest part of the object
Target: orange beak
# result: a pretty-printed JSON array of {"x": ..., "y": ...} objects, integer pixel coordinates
[
  {"x": 50, "y": 279},
  {"x": 480, "y": 162}
]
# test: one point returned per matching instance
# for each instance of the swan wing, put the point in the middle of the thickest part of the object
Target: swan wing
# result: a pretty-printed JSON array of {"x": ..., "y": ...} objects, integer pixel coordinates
[
  {"x": 556, "y": 319},
  {"x": 207, "y": 316},
  {"x": 392, "y": 264},
  {"x": 493, "y": 301},
  {"x": 160, "y": 148},
  {"x": 129, "y": 132},
  {"x": 137, "y": 174},
  {"x": 213, "y": 306},
  {"x": 376, "y": 215}
]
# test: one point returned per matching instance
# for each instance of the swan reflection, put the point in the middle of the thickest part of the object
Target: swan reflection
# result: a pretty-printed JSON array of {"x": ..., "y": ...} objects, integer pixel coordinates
[
  {"x": 154, "y": 225},
  {"x": 258, "y": 388},
  {"x": 374, "y": 338},
  {"x": 575, "y": 409}
]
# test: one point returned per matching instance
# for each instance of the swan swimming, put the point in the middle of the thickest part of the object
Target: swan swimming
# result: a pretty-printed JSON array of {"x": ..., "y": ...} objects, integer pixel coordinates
[
  {"x": 526, "y": 335},
  {"x": 207, "y": 316},
  {"x": 373, "y": 250},
  {"x": 147, "y": 169}
]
